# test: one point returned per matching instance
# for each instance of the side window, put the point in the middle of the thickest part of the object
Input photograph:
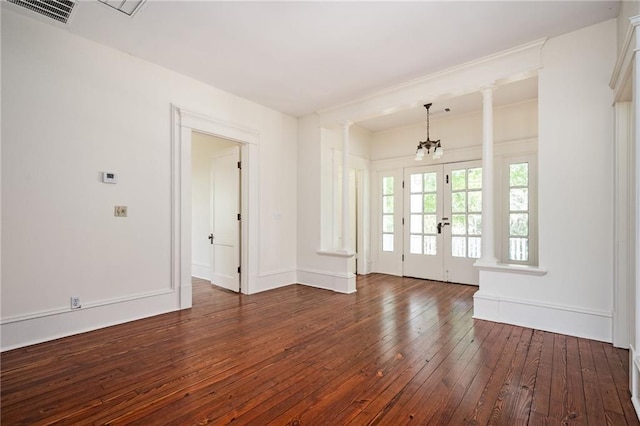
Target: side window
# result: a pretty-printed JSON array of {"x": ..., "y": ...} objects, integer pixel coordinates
[
  {"x": 519, "y": 213},
  {"x": 388, "y": 188}
]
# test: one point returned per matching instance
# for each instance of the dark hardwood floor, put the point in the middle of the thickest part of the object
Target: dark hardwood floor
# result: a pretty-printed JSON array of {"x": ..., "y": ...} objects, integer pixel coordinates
[{"x": 399, "y": 351}]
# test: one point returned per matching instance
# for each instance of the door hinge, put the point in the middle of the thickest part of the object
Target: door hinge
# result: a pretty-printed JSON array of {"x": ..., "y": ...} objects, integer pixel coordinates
[
  {"x": 403, "y": 257},
  {"x": 403, "y": 184},
  {"x": 403, "y": 221},
  {"x": 447, "y": 178},
  {"x": 239, "y": 216},
  {"x": 238, "y": 269},
  {"x": 240, "y": 164}
]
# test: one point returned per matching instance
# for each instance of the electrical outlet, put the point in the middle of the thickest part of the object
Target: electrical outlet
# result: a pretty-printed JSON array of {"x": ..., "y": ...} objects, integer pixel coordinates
[
  {"x": 75, "y": 303},
  {"x": 120, "y": 211}
]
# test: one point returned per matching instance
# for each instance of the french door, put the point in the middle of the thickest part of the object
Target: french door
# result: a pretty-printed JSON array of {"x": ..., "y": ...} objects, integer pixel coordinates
[{"x": 443, "y": 222}]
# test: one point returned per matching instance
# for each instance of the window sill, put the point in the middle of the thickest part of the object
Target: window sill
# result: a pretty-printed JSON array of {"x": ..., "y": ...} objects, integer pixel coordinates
[
  {"x": 336, "y": 253},
  {"x": 512, "y": 269}
]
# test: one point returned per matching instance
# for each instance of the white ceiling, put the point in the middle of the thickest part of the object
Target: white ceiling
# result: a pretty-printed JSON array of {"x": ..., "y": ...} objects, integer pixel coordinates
[{"x": 301, "y": 57}]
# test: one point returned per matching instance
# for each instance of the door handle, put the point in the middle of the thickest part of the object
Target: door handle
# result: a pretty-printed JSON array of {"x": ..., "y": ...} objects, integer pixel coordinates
[
  {"x": 210, "y": 238},
  {"x": 442, "y": 225}
]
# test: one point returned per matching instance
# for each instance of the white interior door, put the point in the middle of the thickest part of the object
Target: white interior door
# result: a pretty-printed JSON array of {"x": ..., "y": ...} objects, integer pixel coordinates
[
  {"x": 443, "y": 222},
  {"x": 225, "y": 219},
  {"x": 423, "y": 244}
]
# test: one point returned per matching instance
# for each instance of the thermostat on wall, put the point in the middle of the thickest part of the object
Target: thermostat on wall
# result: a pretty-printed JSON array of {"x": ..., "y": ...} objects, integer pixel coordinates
[{"x": 109, "y": 177}]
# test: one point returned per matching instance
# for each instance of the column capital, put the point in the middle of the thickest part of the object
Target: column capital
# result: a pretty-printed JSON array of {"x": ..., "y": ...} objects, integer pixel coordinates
[
  {"x": 346, "y": 123},
  {"x": 488, "y": 88}
]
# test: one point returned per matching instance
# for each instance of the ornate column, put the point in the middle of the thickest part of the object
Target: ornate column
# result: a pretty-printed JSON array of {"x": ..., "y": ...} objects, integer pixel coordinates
[
  {"x": 488, "y": 219},
  {"x": 346, "y": 246}
]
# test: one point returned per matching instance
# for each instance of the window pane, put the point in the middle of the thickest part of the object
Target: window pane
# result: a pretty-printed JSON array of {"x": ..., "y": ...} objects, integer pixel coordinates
[
  {"x": 387, "y": 204},
  {"x": 430, "y": 245},
  {"x": 387, "y": 223},
  {"x": 430, "y": 182},
  {"x": 459, "y": 246},
  {"x": 430, "y": 224},
  {"x": 458, "y": 180},
  {"x": 519, "y": 199},
  {"x": 459, "y": 224},
  {"x": 416, "y": 182},
  {"x": 475, "y": 178},
  {"x": 519, "y": 224},
  {"x": 475, "y": 247},
  {"x": 459, "y": 202},
  {"x": 519, "y": 174},
  {"x": 519, "y": 249},
  {"x": 416, "y": 203},
  {"x": 387, "y": 185},
  {"x": 475, "y": 201},
  {"x": 429, "y": 203},
  {"x": 416, "y": 224},
  {"x": 415, "y": 244},
  {"x": 387, "y": 242},
  {"x": 475, "y": 225}
]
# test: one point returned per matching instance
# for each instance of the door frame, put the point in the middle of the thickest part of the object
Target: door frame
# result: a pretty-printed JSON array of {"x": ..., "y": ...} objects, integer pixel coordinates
[{"x": 183, "y": 122}]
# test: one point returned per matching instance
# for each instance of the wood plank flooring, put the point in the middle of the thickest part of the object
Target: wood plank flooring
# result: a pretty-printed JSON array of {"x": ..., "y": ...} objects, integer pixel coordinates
[{"x": 399, "y": 351}]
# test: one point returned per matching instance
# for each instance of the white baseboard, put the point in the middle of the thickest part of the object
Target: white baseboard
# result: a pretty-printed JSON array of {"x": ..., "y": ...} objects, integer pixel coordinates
[
  {"x": 200, "y": 270},
  {"x": 40, "y": 327},
  {"x": 634, "y": 379},
  {"x": 573, "y": 321},
  {"x": 327, "y": 280},
  {"x": 276, "y": 279}
]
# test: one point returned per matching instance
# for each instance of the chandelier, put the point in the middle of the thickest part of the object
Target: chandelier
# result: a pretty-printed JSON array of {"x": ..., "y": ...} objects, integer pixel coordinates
[{"x": 428, "y": 144}]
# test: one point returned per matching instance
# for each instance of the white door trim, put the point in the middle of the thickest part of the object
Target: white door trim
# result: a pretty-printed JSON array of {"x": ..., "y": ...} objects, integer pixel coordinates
[{"x": 183, "y": 123}]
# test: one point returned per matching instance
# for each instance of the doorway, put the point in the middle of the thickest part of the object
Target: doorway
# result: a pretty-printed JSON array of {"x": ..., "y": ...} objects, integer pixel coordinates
[
  {"x": 216, "y": 206},
  {"x": 443, "y": 222},
  {"x": 183, "y": 123}
]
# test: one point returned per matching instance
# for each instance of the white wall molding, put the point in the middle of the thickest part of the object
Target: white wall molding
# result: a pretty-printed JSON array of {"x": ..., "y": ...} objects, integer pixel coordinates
[
  {"x": 334, "y": 281},
  {"x": 85, "y": 306},
  {"x": 201, "y": 271},
  {"x": 624, "y": 64},
  {"x": 564, "y": 319},
  {"x": 634, "y": 378},
  {"x": 275, "y": 279},
  {"x": 184, "y": 122},
  {"x": 503, "y": 67},
  {"x": 43, "y": 326}
]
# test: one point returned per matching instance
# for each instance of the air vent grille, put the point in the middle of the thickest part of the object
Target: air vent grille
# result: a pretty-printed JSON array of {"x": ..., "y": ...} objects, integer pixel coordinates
[
  {"x": 60, "y": 10},
  {"x": 128, "y": 7}
]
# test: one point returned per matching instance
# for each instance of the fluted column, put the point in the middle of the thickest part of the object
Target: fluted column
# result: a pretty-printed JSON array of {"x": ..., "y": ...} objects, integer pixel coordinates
[{"x": 488, "y": 218}]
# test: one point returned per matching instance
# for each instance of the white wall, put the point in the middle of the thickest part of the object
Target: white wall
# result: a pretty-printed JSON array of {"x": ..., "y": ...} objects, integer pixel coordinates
[
  {"x": 575, "y": 164},
  {"x": 72, "y": 109}
]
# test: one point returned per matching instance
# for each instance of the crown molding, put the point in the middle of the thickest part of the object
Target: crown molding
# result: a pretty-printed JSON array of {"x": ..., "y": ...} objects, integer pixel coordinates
[
  {"x": 509, "y": 65},
  {"x": 625, "y": 57}
]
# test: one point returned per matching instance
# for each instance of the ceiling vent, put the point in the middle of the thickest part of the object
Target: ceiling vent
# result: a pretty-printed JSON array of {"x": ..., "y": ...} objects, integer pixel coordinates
[
  {"x": 128, "y": 7},
  {"x": 60, "y": 10}
]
